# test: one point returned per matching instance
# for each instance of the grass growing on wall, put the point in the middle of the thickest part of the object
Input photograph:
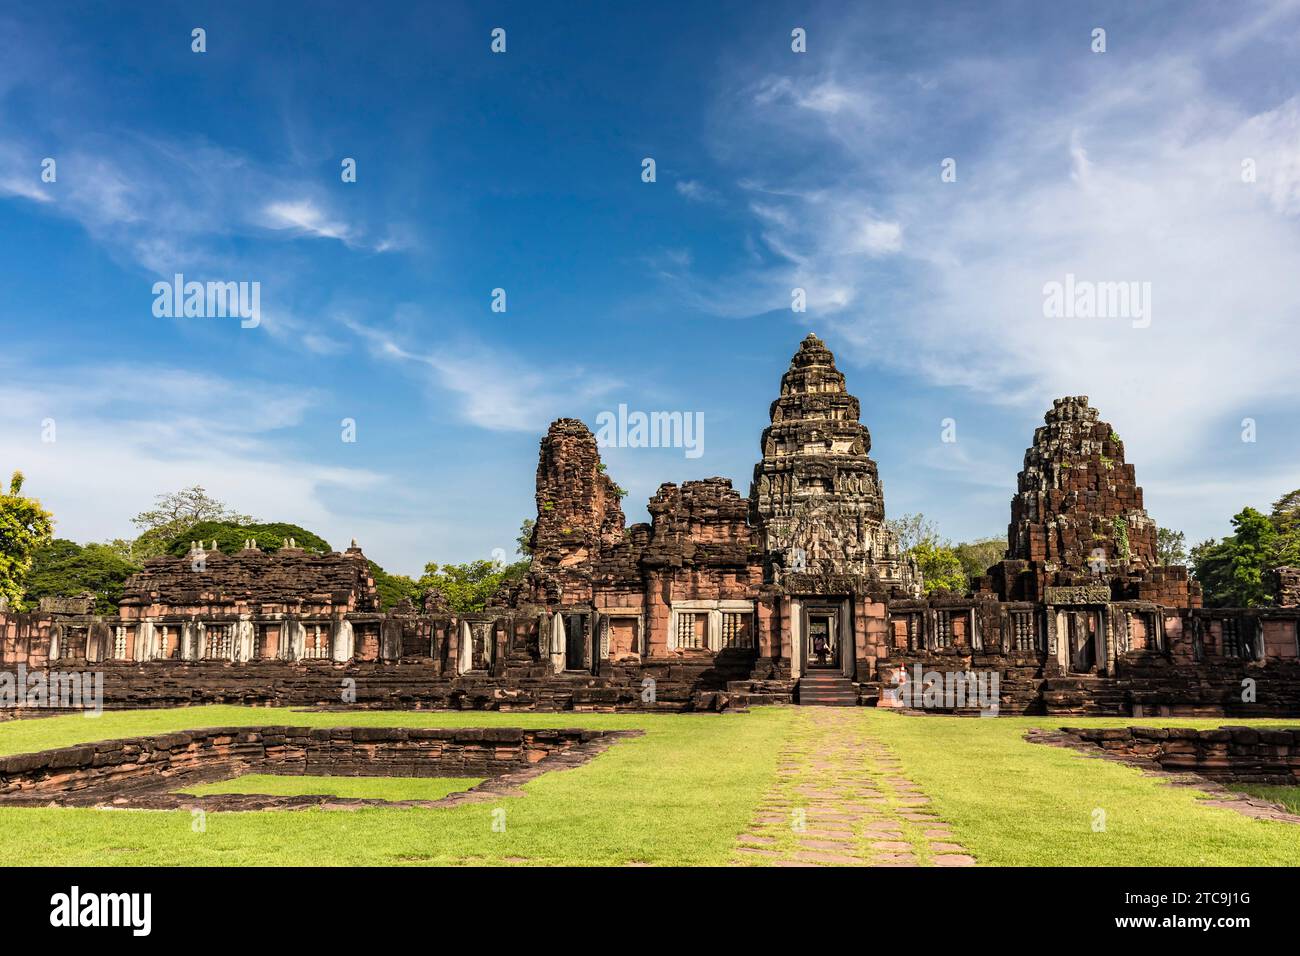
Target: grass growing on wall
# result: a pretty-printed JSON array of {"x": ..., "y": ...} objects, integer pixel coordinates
[{"x": 1289, "y": 797}]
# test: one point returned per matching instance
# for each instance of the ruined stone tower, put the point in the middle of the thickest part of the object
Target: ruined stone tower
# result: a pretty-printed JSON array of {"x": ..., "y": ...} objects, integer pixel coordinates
[
  {"x": 578, "y": 510},
  {"x": 1077, "y": 501},
  {"x": 816, "y": 496}
]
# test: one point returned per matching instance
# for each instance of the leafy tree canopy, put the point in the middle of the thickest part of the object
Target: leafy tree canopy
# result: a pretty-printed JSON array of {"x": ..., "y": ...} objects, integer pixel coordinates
[
  {"x": 174, "y": 515},
  {"x": 944, "y": 565},
  {"x": 1286, "y": 512},
  {"x": 941, "y": 567},
  {"x": 63, "y": 568},
  {"x": 467, "y": 587},
  {"x": 913, "y": 530},
  {"x": 24, "y": 527},
  {"x": 392, "y": 588},
  {"x": 230, "y": 537},
  {"x": 525, "y": 539},
  {"x": 978, "y": 556},
  {"x": 1171, "y": 546},
  {"x": 1234, "y": 572}
]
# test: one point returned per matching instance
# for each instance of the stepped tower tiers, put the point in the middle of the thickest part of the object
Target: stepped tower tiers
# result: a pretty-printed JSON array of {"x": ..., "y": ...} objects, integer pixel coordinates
[
  {"x": 816, "y": 496},
  {"x": 1077, "y": 500},
  {"x": 1077, "y": 517}
]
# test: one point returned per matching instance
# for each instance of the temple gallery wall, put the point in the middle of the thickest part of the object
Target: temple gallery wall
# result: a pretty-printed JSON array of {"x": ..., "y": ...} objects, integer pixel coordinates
[{"x": 797, "y": 593}]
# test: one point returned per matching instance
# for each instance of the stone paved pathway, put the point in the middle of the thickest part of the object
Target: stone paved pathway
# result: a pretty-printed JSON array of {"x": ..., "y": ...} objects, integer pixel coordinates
[{"x": 840, "y": 799}]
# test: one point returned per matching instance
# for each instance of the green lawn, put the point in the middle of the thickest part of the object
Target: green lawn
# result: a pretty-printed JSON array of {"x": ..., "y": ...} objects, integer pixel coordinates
[
  {"x": 1014, "y": 803},
  {"x": 361, "y": 788},
  {"x": 677, "y": 795},
  {"x": 680, "y": 794}
]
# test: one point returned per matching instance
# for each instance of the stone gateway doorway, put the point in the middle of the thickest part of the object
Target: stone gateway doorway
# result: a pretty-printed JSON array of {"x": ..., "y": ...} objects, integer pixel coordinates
[{"x": 823, "y": 628}]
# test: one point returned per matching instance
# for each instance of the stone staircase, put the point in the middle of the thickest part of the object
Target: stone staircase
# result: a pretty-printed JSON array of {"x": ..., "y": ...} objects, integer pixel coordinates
[
  {"x": 827, "y": 689},
  {"x": 1085, "y": 695}
]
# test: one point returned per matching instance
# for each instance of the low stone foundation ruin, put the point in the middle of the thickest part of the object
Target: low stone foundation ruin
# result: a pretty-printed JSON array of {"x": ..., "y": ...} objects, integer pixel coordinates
[
  {"x": 143, "y": 772},
  {"x": 1227, "y": 754}
]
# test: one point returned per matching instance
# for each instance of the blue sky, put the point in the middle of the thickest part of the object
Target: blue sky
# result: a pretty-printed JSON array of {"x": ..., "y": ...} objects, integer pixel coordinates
[{"x": 522, "y": 171}]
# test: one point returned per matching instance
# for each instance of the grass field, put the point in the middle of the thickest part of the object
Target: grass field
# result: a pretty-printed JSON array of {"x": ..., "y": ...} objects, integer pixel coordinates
[
  {"x": 360, "y": 788},
  {"x": 680, "y": 794}
]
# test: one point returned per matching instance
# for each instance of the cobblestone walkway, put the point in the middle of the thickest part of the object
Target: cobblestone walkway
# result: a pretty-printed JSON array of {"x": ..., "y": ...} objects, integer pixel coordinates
[{"x": 840, "y": 799}]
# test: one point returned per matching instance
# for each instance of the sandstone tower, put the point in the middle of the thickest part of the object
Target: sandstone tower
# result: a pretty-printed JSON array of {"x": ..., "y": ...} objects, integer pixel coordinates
[
  {"x": 816, "y": 496},
  {"x": 578, "y": 511},
  {"x": 1077, "y": 519},
  {"x": 1077, "y": 502}
]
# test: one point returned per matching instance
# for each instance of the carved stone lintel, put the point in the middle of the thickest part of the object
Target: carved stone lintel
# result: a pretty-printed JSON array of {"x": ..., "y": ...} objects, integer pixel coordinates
[{"x": 1080, "y": 594}]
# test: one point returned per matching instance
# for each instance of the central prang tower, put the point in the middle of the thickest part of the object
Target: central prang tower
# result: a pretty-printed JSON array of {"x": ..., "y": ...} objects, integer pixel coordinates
[{"x": 816, "y": 497}]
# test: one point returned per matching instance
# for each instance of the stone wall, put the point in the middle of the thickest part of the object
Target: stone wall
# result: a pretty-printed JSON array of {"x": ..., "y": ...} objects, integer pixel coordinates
[
  {"x": 1288, "y": 586},
  {"x": 116, "y": 770},
  {"x": 251, "y": 581},
  {"x": 1237, "y": 754},
  {"x": 678, "y": 686}
]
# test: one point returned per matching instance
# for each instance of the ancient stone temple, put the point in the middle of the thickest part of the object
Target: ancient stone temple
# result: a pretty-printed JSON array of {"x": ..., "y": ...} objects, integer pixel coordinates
[{"x": 797, "y": 593}]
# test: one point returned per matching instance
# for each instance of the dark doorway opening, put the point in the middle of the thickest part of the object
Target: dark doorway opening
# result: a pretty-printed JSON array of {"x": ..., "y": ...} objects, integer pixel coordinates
[
  {"x": 823, "y": 647},
  {"x": 575, "y": 641},
  {"x": 1083, "y": 657}
]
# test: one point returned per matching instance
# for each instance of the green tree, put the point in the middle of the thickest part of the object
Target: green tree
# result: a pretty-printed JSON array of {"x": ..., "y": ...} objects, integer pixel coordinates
[
  {"x": 468, "y": 586},
  {"x": 24, "y": 527},
  {"x": 912, "y": 530},
  {"x": 1286, "y": 512},
  {"x": 1171, "y": 547},
  {"x": 174, "y": 515},
  {"x": 1233, "y": 572},
  {"x": 525, "y": 539},
  {"x": 230, "y": 537},
  {"x": 978, "y": 556},
  {"x": 63, "y": 568},
  {"x": 392, "y": 588},
  {"x": 941, "y": 567}
]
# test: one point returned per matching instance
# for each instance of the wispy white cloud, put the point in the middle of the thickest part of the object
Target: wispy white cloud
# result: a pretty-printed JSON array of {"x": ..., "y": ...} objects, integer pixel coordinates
[
  {"x": 695, "y": 190},
  {"x": 1132, "y": 171},
  {"x": 304, "y": 216},
  {"x": 492, "y": 389},
  {"x": 965, "y": 292},
  {"x": 142, "y": 430}
]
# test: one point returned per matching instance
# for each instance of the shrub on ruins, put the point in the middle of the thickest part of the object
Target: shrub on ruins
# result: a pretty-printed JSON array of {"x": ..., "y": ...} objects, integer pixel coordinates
[
  {"x": 1235, "y": 572},
  {"x": 231, "y": 537},
  {"x": 467, "y": 587},
  {"x": 175, "y": 516},
  {"x": 63, "y": 568},
  {"x": 24, "y": 527}
]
